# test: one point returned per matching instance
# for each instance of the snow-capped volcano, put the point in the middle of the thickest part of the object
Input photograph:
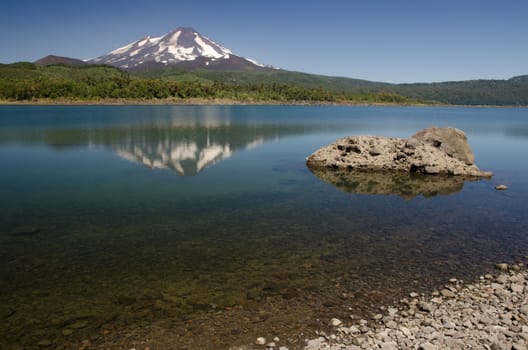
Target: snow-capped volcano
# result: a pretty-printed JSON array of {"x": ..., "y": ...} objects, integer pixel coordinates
[{"x": 183, "y": 46}]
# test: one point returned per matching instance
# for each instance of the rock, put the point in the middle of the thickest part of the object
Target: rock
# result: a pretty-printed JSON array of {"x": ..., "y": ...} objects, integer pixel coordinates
[
  {"x": 315, "y": 344},
  {"x": 391, "y": 324},
  {"x": 517, "y": 288},
  {"x": 406, "y": 331},
  {"x": 260, "y": 341},
  {"x": 6, "y": 312},
  {"x": 502, "y": 267},
  {"x": 354, "y": 329},
  {"x": 447, "y": 293},
  {"x": 24, "y": 231},
  {"x": 392, "y": 311},
  {"x": 519, "y": 346},
  {"x": 430, "y": 151},
  {"x": 451, "y": 141},
  {"x": 389, "y": 346},
  {"x": 44, "y": 343},
  {"x": 78, "y": 324},
  {"x": 427, "y": 346},
  {"x": 437, "y": 300},
  {"x": 483, "y": 314},
  {"x": 427, "y": 307},
  {"x": 335, "y": 322},
  {"x": 524, "y": 310},
  {"x": 501, "y": 187},
  {"x": 85, "y": 344}
]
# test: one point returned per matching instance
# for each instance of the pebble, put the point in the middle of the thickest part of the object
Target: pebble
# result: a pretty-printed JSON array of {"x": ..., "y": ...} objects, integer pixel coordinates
[
  {"x": 427, "y": 346},
  {"x": 260, "y": 341},
  {"x": 335, "y": 322},
  {"x": 78, "y": 324},
  {"x": 24, "y": 231},
  {"x": 501, "y": 187},
  {"x": 502, "y": 266},
  {"x": 44, "y": 343},
  {"x": 447, "y": 293},
  {"x": 490, "y": 313}
]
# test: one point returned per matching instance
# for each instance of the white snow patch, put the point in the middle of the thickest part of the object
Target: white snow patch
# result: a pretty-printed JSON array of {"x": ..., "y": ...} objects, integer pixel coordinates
[
  {"x": 206, "y": 49},
  {"x": 122, "y": 49},
  {"x": 174, "y": 38},
  {"x": 211, "y": 154},
  {"x": 256, "y": 63}
]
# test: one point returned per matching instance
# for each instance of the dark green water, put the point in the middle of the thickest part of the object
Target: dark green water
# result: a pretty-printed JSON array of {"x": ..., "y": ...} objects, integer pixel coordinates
[{"x": 201, "y": 227}]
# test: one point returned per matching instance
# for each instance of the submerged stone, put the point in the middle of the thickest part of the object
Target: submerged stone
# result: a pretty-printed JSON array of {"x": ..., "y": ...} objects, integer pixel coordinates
[{"x": 24, "y": 231}]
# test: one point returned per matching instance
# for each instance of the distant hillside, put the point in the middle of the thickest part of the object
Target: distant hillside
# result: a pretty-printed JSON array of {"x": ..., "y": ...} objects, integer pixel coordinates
[
  {"x": 512, "y": 92},
  {"x": 55, "y": 60},
  {"x": 275, "y": 76}
]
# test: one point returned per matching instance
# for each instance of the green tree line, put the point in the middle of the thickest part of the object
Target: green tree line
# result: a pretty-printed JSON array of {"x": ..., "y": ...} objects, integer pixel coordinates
[{"x": 27, "y": 82}]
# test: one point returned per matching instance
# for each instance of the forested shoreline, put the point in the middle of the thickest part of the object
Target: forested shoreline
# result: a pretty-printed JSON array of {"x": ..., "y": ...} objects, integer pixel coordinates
[{"x": 28, "y": 82}]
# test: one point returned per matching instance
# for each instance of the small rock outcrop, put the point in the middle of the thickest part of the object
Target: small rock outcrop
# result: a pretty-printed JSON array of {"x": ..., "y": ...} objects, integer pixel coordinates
[{"x": 430, "y": 151}]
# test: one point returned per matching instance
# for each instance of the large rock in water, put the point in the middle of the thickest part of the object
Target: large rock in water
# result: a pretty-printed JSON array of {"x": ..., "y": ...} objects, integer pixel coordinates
[{"x": 430, "y": 151}]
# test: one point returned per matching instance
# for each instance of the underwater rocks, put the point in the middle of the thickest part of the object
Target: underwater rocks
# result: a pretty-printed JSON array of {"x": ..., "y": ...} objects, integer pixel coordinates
[
  {"x": 430, "y": 151},
  {"x": 491, "y": 313}
]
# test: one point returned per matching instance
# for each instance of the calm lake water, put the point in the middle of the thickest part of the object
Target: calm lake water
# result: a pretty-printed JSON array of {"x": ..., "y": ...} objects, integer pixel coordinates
[{"x": 201, "y": 227}]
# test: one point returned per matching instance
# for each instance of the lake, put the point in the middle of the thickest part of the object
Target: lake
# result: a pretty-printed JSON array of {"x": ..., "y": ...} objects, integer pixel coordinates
[{"x": 201, "y": 227}]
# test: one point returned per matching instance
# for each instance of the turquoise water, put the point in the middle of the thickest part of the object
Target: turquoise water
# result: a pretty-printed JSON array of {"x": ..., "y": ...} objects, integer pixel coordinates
[{"x": 201, "y": 227}]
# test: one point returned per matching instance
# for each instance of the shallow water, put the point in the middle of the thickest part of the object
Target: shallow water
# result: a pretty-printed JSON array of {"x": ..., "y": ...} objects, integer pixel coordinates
[{"x": 201, "y": 227}]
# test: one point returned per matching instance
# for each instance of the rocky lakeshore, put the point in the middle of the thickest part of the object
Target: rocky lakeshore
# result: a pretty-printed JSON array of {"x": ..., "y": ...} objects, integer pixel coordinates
[{"x": 490, "y": 313}]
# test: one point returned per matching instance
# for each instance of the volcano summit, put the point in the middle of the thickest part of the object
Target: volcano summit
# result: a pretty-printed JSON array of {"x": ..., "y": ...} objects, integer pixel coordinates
[{"x": 183, "y": 47}]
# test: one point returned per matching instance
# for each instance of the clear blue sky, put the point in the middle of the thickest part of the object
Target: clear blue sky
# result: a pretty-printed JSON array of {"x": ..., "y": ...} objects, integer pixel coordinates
[{"x": 381, "y": 40}]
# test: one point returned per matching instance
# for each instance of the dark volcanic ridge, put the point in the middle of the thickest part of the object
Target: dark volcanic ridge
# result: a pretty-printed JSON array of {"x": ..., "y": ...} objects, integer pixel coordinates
[{"x": 67, "y": 61}]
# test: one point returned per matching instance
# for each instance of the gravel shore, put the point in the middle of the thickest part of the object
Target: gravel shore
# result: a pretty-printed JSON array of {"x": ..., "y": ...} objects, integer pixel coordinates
[{"x": 491, "y": 313}]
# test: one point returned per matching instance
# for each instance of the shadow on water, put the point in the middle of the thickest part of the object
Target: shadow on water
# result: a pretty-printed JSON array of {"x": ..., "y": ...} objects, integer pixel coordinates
[{"x": 405, "y": 185}]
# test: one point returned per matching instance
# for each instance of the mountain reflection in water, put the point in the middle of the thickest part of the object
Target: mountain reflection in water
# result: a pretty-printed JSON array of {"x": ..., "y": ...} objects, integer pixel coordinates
[
  {"x": 405, "y": 185},
  {"x": 186, "y": 151},
  {"x": 186, "y": 148}
]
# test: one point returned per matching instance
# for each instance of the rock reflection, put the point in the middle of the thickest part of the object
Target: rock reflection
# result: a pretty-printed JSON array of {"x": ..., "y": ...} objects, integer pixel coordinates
[{"x": 405, "y": 185}]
